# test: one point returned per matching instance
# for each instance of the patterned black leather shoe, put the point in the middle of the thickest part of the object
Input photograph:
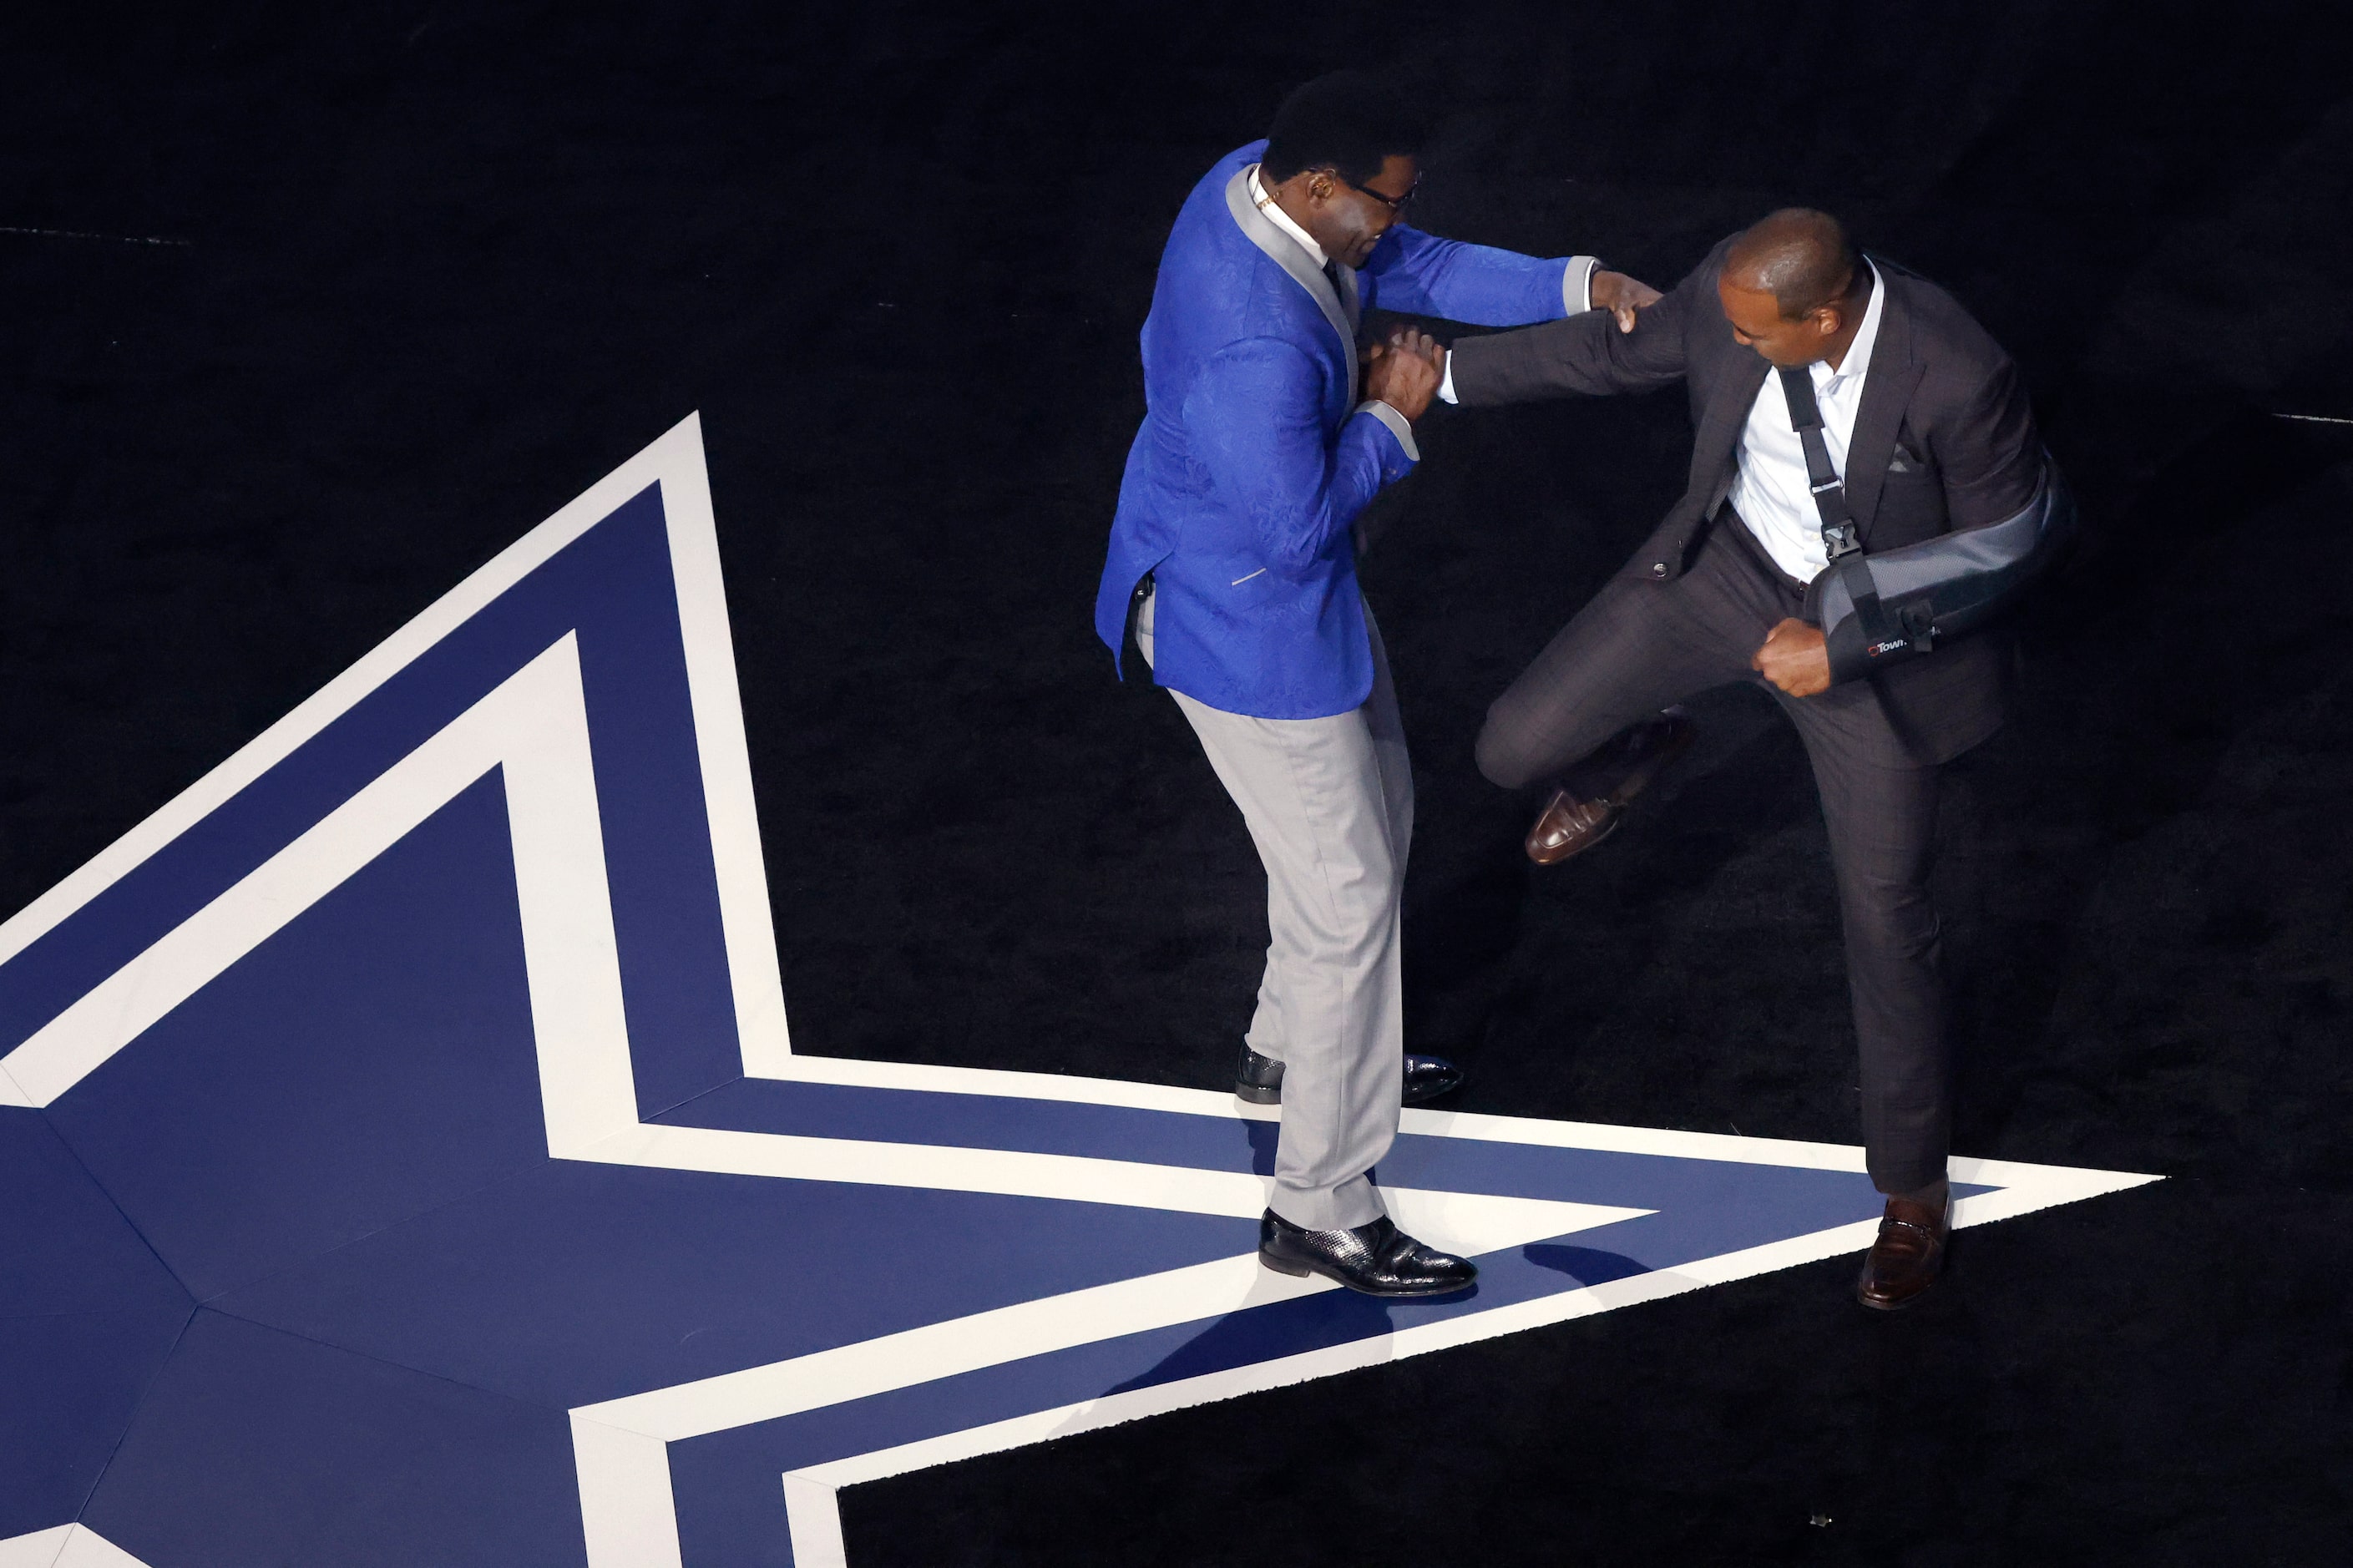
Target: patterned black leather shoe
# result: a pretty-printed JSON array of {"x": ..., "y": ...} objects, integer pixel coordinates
[
  {"x": 1378, "y": 1258},
  {"x": 1258, "y": 1080}
]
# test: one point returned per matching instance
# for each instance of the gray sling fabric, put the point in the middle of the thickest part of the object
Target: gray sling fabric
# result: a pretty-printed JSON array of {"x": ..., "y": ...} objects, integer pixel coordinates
[{"x": 1953, "y": 584}]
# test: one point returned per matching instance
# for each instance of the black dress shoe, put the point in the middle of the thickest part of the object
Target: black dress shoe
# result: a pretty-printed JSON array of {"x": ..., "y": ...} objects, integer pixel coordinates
[
  {"x": 1258, "y": 1080},
  {"x": 1378, "y": 1258}
]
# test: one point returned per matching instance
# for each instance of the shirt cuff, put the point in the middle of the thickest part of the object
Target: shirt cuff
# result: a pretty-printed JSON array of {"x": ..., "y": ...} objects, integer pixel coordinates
[
  {"x": 1446, "y": 386},
  {"x": 1577, "y": 283},
  {"x": 1399, "y": 426}
]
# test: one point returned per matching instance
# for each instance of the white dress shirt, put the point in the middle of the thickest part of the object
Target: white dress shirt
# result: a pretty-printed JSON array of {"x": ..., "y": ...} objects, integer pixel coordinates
[{"x": 1772, "y": 492}]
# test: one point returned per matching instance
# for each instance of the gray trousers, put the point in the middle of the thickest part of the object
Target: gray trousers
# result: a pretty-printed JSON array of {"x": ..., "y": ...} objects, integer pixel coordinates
[
  {"x": 1329, "y": 802},
  {"x": 1639, "y": 647}
]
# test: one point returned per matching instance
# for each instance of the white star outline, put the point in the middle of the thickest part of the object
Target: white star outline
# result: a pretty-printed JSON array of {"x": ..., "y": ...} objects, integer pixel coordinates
[{"x": 534, "y": 726}]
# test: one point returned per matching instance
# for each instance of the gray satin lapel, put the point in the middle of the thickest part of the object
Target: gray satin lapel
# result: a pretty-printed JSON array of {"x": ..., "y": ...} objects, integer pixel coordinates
[
  {"x": 1286, "y": 254},
  {"x": 1886, "y": 393}
]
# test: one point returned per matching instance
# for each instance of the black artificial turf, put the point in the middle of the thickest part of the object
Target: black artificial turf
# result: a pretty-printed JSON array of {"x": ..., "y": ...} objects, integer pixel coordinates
[{"x": 427, "y": 273}]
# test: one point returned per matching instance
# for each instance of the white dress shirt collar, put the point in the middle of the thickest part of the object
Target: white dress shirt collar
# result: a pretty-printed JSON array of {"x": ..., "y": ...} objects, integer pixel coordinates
[
  {"x": 1281, "y": 220},
  {"x": 1866, "y": 337}
]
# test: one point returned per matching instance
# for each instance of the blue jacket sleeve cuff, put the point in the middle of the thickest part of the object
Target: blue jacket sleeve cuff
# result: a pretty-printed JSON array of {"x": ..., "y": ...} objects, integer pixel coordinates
[
  {"x": 1396, "y": 423},
  {"x": 1576, "y": 284}
]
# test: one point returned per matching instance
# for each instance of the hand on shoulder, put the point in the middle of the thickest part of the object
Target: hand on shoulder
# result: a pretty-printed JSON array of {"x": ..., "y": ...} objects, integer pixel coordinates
[{"x": 1622, "y": 297}]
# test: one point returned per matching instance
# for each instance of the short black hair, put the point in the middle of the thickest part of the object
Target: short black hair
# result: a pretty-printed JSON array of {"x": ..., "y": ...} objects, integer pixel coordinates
[
  {"x": 1346, "y": 121},
  {"x": 1803, "y": 257}
]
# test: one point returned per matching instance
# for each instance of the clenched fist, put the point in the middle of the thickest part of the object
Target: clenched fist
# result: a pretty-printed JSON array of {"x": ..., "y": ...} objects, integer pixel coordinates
[
  {"x": 1403, "y": 372},
  {"x": 1795, "y": 657}
]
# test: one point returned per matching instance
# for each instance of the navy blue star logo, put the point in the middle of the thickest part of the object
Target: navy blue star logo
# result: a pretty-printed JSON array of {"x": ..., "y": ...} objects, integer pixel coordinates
[{"x": 406, "y": 1160}]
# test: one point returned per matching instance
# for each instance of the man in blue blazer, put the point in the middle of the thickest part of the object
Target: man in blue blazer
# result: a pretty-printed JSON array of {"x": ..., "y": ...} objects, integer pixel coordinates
[{"x": 1233, "y": 550}]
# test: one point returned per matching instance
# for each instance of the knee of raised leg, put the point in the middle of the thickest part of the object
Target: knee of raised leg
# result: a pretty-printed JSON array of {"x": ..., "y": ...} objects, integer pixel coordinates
[{"x": 1504, "y": 763}]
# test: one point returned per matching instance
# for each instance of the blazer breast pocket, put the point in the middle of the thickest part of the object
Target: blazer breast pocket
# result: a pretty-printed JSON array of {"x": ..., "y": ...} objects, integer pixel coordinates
[{"x": 1911, "y": 502}]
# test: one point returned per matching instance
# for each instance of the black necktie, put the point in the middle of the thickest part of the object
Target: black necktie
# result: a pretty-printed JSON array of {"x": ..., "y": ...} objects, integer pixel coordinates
[{"x": 1332, "y": 275}]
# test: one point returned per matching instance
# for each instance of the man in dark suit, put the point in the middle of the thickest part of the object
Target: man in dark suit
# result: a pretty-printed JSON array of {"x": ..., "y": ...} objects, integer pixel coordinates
[{"x": 1866, "y": 489}]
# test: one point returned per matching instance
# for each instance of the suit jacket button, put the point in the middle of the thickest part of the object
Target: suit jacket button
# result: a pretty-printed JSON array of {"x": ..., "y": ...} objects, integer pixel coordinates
[{"x": 1658, "y": 568}]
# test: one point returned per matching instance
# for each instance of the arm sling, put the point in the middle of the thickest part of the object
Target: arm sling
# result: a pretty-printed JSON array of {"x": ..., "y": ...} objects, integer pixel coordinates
[{"x": 1883, "y": 609}]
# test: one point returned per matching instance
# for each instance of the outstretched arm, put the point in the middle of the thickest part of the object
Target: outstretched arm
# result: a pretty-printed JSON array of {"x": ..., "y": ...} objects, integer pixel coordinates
[
  {"x": 1421, "y": 274},
  {"x": 1589, "y": 354}
]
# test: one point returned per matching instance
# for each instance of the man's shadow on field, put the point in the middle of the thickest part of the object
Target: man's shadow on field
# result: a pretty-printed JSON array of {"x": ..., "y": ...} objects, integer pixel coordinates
[{"x": 1336, "y": 1317}]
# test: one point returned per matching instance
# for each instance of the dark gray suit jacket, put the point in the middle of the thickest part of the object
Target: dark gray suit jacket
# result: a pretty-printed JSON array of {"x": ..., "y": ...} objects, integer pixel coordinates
[{"x": 1944, "y": 441}]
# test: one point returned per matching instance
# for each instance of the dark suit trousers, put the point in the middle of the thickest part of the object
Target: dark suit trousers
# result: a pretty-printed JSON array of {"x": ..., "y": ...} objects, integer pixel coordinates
[{"x": 1640, "y": 646}]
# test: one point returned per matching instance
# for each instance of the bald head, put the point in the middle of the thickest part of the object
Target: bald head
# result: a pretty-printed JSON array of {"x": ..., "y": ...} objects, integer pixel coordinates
[
  {"x": 1793, "y": 288},
  {"x": 1800, "y": 256}
]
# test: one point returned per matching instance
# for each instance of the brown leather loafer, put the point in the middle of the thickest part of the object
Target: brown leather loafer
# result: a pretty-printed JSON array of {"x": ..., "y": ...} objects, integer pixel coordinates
[
  {"x": 1908, "y": 1255},
  {"x": 1570, "y": 825}
]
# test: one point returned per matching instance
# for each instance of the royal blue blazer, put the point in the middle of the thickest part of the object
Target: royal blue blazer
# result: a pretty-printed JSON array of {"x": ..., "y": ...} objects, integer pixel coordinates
[{"x": 1254, "y": 457}]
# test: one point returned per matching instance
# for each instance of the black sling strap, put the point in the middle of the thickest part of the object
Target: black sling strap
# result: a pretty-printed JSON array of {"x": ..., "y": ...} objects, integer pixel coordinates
[
  {"x": 1841, "y": 543},
  {"x": 1839, "y": 538}
]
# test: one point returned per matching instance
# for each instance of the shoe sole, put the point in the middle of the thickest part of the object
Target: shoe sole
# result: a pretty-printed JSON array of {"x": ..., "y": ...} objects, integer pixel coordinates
[
  {"x": 1906, "y": 1302},
  {"x": 1897, "y": 1306},
  {"x": 1644, "y": 776},
  {"x": 1301, "y": 1270},
  {"x": 1254, "y": 1095},
  {"x": 1914, "y": 1299}
]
